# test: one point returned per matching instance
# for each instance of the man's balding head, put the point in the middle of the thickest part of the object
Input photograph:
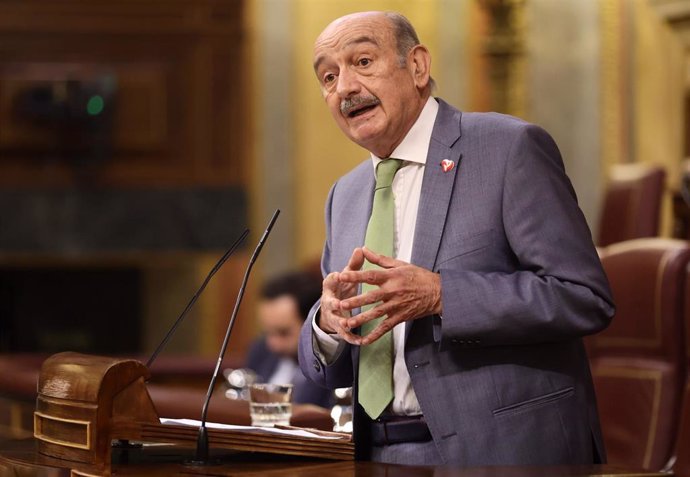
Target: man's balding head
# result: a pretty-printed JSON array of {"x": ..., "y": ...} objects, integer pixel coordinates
[{"x": 374, "y": 75}]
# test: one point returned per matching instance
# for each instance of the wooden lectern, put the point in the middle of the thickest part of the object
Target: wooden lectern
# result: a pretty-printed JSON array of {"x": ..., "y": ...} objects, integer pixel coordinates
[{"x": 85, "y": 402}]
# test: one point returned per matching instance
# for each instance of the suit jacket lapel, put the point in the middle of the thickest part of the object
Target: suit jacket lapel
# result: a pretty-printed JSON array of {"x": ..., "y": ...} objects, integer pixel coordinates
[
  {"x": 437, "y": 187},
  {"x": 349, "y": 221},
  {"x": 357, "y": 223},
  {"x": 363, "y": 205}
]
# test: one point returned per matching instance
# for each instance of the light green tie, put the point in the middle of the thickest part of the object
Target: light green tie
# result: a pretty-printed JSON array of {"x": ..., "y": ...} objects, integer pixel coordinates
[{"x": 376, "y": 359}]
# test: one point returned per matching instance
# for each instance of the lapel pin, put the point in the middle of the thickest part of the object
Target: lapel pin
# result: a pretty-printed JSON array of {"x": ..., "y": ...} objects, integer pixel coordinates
[{"x": 447, "y": 165}]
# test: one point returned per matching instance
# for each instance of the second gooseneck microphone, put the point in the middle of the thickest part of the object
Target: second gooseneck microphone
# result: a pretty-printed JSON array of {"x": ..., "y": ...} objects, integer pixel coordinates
[{"x": 202, "y": 448}]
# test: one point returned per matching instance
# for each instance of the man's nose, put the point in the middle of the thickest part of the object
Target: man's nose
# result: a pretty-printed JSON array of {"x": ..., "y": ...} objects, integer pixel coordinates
[{"x": 348, "y": 83}]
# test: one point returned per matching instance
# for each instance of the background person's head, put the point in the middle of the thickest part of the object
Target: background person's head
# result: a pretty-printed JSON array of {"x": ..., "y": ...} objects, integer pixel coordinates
[
  {"x": 284, "y": 304},
  {"x": 375, "y": 77}
]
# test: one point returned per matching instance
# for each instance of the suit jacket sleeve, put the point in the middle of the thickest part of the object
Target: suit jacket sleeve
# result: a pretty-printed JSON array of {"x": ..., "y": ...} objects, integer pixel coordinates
[
  {"x": 337, "y": 374},
  {"x": 556, "y": 289}
]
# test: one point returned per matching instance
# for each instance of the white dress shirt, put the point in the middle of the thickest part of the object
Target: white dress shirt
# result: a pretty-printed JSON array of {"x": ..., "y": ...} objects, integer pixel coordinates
[
  {"x": 407, "y": 188},
  {"x": 285, "y": 372}
]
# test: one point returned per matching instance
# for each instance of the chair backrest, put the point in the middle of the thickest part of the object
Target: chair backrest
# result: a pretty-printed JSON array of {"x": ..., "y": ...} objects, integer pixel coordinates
[
  {"x": 681, "y": 465},
  {"x": 632, "y": 203},
  {"x": 681, "y": 461},
  {"x": 639, "y": 362}
]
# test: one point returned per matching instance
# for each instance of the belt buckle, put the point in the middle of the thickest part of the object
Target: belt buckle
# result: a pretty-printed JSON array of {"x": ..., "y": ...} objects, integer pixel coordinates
[{"x": 384, "y": 422}]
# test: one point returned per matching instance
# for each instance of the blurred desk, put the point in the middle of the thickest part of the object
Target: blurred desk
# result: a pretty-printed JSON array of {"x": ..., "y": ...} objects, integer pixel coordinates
[
  {"x": 19, "y": 458},
  {"x": 185, "y": 403},
  {"x": 178, "y": 389}
]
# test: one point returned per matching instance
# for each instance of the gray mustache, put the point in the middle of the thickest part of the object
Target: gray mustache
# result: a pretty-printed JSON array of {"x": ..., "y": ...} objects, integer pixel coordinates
[{"x": 349, "y": 104}]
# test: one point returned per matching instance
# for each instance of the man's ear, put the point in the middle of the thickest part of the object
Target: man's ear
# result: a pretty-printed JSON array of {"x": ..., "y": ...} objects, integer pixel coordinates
[{"x": 420, "y": 64}]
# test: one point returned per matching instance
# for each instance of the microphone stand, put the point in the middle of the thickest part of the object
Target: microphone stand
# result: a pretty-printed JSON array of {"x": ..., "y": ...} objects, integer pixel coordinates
[
  {"x": 125, "y": 444},
  {"x": 202, "y": 447}
]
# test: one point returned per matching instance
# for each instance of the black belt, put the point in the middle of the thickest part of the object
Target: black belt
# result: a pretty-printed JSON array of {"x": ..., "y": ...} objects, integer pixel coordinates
[{"x": 398, "y": 429}]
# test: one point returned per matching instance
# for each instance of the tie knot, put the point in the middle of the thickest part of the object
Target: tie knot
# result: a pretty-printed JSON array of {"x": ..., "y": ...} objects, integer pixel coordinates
[{"x": 385, "y": 172}]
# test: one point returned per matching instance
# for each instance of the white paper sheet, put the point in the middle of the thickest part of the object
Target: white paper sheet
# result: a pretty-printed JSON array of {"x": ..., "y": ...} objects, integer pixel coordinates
[{"x": 271, "y": 430}]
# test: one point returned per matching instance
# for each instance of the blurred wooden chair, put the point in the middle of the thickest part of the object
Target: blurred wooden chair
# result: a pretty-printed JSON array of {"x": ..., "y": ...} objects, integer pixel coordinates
[
  {"x": 680, "y": 197},
  {"x": 639, "y": 362},
  {"x": 680, "y": 462},
  {"x": 632, "y": 203}
]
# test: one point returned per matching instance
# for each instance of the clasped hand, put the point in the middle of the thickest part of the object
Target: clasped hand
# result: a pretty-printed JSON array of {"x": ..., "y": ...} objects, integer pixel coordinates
[{"x": 405, "y": 292}]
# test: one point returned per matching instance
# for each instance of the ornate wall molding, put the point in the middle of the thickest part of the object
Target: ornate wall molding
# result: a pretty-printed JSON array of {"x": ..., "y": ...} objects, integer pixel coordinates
[
  {"x": 677, "y": 14},
  {"x": 505, "y": 50},
  {"x": 615, "y": 103}
]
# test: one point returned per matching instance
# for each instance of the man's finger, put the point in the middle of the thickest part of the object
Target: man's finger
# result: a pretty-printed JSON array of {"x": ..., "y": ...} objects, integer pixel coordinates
[
  {"x": 371, "y": 314},
  {"x": 384, "y": 327},
  {"x": 349, "y": 336},
  {"x": 330, "y": 282},
  {"x": 356, "y": 260},
  {"x": 372, "y": 277},
  {"x": 368, "y": 298},
  {"x": 329, "y": 300},
  {"x": 382, "y": 261}
]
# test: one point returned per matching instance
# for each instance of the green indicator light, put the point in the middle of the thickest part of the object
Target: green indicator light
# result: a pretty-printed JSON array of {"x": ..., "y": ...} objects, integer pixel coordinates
[{"x": 95, "y": 105}]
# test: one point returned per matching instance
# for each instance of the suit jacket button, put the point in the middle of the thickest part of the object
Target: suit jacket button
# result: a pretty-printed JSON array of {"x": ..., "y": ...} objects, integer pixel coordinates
[{"x": 317, "y": 366}]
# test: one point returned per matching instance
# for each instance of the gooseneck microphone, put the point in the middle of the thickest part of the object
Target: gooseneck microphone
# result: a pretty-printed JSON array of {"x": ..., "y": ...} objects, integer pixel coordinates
[
  {"x": 201, "y": 456},
  {"x": 198, "y": 293}
]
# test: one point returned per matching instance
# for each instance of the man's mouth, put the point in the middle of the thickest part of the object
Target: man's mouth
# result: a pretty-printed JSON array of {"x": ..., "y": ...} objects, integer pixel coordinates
[
  {"x": 357, "y": 107},
  {"x": 361, "y": 110}
]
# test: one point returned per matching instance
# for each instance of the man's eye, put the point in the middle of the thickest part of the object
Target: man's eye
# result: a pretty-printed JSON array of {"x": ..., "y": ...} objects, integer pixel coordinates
[
  {"x": 363, "y": 61},
  {"x": 329, "y": 78}
]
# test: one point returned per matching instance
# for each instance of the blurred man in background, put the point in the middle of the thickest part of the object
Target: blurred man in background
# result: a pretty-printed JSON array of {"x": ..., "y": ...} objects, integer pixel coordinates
[{"x": 284, "y": 305}]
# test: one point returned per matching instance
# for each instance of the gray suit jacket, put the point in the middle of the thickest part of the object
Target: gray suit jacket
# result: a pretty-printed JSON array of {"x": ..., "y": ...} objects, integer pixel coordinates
[{"x": 502, "y": 377}]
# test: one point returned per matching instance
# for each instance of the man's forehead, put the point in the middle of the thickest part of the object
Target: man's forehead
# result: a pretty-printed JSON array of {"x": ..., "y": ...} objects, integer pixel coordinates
[
  {"x": 355, "y": 20},
  {"x": 374, "y": 28}
]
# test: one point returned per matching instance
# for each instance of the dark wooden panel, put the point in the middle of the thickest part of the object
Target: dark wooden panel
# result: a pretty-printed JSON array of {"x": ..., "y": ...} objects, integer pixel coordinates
[
  {"x": 140, "y": 119},
  {"x": 179, "y": 117}
]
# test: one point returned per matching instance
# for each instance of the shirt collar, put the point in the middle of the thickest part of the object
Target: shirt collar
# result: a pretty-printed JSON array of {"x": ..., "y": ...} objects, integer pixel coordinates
[{"x": 415, "y": 146}]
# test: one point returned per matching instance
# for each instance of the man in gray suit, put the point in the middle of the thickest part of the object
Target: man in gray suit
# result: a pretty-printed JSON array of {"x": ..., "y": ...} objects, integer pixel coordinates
[{"x": 484, "y": 281}]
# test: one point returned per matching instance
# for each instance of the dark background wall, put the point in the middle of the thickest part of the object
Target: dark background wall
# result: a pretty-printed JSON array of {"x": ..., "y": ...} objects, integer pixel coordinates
[{"x": 123, "y": 171}]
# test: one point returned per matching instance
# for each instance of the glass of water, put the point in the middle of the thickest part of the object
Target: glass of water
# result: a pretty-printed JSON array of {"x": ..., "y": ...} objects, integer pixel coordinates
[{"x": 270, "y": 404}]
